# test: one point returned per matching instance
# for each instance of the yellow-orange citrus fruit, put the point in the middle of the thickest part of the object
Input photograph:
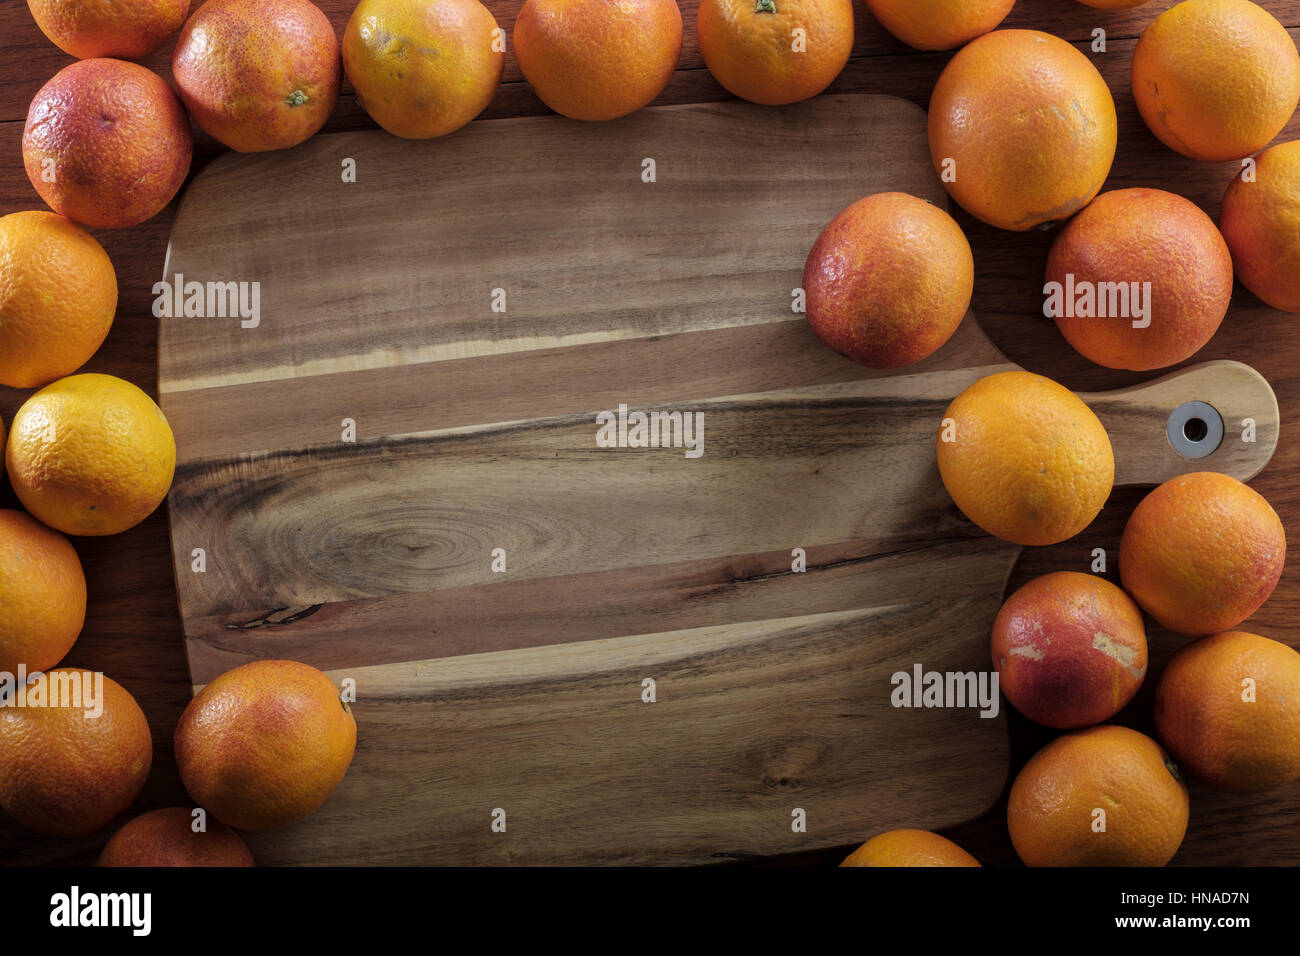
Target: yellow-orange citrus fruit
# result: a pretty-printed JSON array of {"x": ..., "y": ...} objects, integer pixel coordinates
[
  {"x": 909, "y": 848},
  {"x": 58, "y": 295},
  {"x": 42, "y": 594},
  {"x": 939, "y": 24},
  {"x": 107, "y": 143},
  {"x": 1216, "y": 79},
  {"x": 422, "y": 69},
  {"x": 1144, "y": 279},
  {"x": 1260, "y": 220},
  {"x": 1022, "y": 129},
  {"x": 263, "y": 745},
  {"x": 1228, "y": 709},
  {"x": 1202, "y": 552},
  {"x": 67, "y": 770},
  {"x": 91, "y": 28},
  {"x": 258, "y": 74},
  {"x": 167, "y": 838},
  {"x": 1070, "y": 649},
  {"x": 889, "y": 280},
  {"x": 1024, "y": 458},
  {"x": 747, "y": 46},
  {"x": 90, "y": 454},
  {"x": 1105, "y": 796},
  {"x": 598, "y": 59}
]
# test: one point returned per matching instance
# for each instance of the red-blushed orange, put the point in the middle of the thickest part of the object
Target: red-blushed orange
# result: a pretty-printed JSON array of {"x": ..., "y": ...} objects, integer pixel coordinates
[
  {"x": 263, "y": 745},
  {"x": 107, "y": 143},
  {"x": 258, "y": 75},
  {"x": 169, "y": 838},
  {"x": 1144, "y": 279},
  {"x": 1070, "y": 649},
  {"x": 889, "y": 280}
]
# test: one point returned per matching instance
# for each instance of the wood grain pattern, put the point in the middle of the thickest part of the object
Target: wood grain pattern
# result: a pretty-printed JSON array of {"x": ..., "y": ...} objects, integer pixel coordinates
[
  {"x": 133, "y": 630},
  {"x": 373, "y": 558},
  {"x": 753, "y": 720},
  {"x": 558, "y": 197},
  {"x": 1135, "y": 418},
  {"x": 376, "y": 557}
]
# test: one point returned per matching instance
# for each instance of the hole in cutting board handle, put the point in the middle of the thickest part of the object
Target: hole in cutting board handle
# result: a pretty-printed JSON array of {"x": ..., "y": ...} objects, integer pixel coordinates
[{"x": 1195, "y": 429}]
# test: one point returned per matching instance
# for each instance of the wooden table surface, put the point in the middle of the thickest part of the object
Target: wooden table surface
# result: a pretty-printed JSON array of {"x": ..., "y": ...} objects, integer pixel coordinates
[{"x": 133, "y": 630}]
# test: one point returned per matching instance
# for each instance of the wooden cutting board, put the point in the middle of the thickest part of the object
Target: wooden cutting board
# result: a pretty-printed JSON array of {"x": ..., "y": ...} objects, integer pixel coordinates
[{"x": 648, "y": 262}]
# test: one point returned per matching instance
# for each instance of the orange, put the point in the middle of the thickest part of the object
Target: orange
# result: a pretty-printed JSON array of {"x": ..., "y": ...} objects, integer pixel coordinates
[
  {"x": 91, "y": 28},
  {"x": 1105, "y": 796},
  {"x": 751, "y": 48},
  {"x": 1022, "y": 129},
  {"x": 909, "y": 848},
  {"x": 1024, "y": 458},
  {"x": 1070, "y": 649},
  {"x": 1150, "y": 275},
  {"x": 422, "y": 69},
  {"x": 107, "y": 143},
  {"x": 889, "y": 280},
  {"x": 1216, "y": 79},
  {"x": 258, "y": 74},
  {"x": 58, "y": 295},
  {"x": 1202, "y": 552},
  {"x": 42, "y": 594},
  {"x": 939, "y": 24},
  {"x": 167, "y": 838},
  {"x": 1260, "y": 220},
  {"x": 598, "y": 59},
  {"x": 263, "y": 745},
  {"x": 90, "y": 454},
  {"x": 1228, "y": 709},
  {"x": 67, "y": 770}
]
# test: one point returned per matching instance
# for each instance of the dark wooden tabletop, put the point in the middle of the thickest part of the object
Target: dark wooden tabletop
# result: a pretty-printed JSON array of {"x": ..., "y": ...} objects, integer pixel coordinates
[{"x": 133, "y": 630}]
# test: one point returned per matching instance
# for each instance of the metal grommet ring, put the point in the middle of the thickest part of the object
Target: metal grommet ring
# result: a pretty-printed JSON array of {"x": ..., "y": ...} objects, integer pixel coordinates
[{"x": 1195, "y": 429}]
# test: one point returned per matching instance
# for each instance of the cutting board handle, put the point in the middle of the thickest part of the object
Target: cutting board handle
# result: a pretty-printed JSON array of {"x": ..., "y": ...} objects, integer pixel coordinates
[{"x": 1216, "y": 416}]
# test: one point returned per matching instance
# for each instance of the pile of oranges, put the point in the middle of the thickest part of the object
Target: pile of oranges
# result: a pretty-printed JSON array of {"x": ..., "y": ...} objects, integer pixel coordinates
[
  {"x": 1022, "y": 131},
  {"x": 107, "y": 145}
]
